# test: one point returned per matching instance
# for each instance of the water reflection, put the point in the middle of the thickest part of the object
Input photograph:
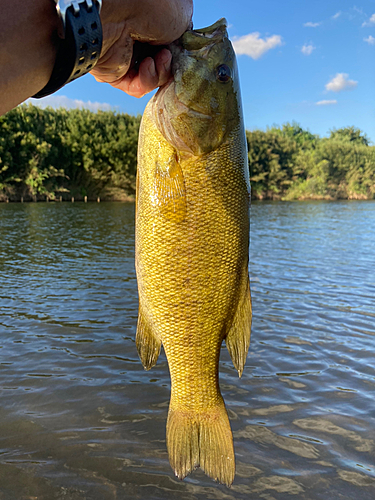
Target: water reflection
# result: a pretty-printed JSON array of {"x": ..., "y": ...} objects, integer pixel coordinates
[
  {"x": 81, "y": 419},
  {"x": 263, "y": 435}
]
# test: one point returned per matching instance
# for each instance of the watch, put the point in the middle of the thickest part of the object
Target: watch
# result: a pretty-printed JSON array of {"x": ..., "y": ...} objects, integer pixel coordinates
[{"x": 80, "y": 47}]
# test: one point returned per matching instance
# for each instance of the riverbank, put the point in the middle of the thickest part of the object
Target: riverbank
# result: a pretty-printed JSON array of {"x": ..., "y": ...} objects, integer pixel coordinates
[
  {"x": 333, "y": 196},
  {"x": 131, "y": 198},
  {"x": 119, "y": 197},
  {"x": 53, "y": 154}
]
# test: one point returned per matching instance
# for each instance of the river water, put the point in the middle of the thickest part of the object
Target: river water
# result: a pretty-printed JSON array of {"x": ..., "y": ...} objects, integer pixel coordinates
[{"x": 81, "y": 419}]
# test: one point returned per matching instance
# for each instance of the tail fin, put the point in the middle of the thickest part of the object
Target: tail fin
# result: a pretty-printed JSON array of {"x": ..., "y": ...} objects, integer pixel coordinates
[{"x": 201, "y": 440}]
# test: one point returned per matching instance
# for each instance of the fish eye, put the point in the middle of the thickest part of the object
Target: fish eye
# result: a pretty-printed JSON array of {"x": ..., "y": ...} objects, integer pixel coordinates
[{"x": 223, "y": 73}]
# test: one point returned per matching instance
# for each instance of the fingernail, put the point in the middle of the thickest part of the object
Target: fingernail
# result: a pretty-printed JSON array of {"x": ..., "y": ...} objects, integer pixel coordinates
[
  {"x": 167, "y": 62},
  {"x": 152, "y": 68}
]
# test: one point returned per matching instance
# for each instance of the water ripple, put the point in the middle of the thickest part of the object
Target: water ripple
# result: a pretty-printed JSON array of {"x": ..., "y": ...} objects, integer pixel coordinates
[{"x": 80, "y": 418}]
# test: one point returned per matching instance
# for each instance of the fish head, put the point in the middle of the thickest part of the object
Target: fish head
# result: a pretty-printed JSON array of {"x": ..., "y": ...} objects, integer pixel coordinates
[{"x": 198, "y": 109}]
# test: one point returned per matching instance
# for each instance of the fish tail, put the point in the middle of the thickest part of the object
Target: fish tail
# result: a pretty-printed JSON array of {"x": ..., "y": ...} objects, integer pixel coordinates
[{"x": 201, "y": 440}]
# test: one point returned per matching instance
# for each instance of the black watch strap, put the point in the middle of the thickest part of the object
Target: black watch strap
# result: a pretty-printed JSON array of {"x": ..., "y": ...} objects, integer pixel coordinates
[{"x": 80, "y": 50}]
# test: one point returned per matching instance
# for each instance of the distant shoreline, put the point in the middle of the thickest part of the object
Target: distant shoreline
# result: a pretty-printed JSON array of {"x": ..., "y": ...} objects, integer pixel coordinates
[
  {"x": 131, "y": 199},
  {"x": 73, "y": 154},
  {"x": 97, "y": 199},
  {"x": 352, "y": 197}
]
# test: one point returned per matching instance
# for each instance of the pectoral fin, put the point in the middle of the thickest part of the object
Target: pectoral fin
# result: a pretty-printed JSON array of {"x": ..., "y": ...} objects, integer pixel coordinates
[
  {"x": 238, "y": 338},
  {"x": 147, "y": 342},
  {"x": 169, "y": 187}
]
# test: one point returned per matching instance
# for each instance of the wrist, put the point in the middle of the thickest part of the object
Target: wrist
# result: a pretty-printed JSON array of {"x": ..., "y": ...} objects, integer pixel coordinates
[{"x": 80, "y": 47}]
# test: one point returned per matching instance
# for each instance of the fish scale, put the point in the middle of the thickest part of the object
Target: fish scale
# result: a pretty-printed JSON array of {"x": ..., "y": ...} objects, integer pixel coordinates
[{"x": 192, "y": 238}]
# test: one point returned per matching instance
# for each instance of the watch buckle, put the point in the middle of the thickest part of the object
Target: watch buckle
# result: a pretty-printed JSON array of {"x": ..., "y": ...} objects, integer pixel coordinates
[{"x": 63, "y": 5}]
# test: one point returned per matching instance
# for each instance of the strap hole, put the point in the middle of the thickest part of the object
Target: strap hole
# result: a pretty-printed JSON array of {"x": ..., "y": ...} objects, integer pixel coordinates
[
  {"x": 83, "y": 47},
  {"x": 89, "y": 67},
  {"x": 77, "y": 72},
  {"x": 81, "y": 31},
  {"x": 94, "y": 26},
  {"x": 81, "y": 60},
  {"x": 93, "y": 55},
  {"x": 95, "y": 41}
]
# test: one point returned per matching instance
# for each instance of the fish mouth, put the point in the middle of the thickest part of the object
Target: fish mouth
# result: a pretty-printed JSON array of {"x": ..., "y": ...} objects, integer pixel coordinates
[
  {"x": 178, "y": 108},
  {"x": 204, "y": 37},
  {"x": 197, "y": 44},
  {"x": 193, "y": 40}
]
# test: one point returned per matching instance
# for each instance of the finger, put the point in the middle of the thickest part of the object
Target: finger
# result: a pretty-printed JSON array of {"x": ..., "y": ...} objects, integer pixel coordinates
[
  {"x": 137, "y": 84},
  {"x": 115, "y": 60},
  {"x": 146, "y": 80},
  {"x": 163, "y": 60},
  {"x": 151, "y": 74}
]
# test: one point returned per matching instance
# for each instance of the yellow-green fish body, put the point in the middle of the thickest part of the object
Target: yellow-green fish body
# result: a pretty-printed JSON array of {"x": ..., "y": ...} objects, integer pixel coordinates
[{"x": 192, "y": 239}]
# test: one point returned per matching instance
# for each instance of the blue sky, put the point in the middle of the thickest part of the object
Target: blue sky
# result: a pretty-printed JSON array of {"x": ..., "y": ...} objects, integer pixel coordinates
[{"x": 312, "y": 62}]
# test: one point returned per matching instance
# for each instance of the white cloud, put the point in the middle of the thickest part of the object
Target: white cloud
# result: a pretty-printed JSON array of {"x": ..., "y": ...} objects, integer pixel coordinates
[
  {"x": 254, "y": 46},
  {"x": 312, "y": 25},
  {"x": 62, "y": 101},
  {"x": 307, "y": 49},
  {"x": 326, "y": 103},
  {"x": 341, "y": 82},
  {"x": 370, "y": 22},
  {"x": 337, "y": 15},
  {"x": 370, "y": 40}
]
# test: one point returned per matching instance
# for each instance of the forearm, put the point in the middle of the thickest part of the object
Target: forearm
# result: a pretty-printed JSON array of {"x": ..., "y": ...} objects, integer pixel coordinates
[
  {"x": 28, "y": 46},
  {"x": 29, "y": 42}
]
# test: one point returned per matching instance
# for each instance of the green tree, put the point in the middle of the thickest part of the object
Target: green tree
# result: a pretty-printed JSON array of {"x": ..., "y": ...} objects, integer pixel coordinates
[
  {"x": 350, "y": 134},
  {"x": 271, "y": 162},
  {"x": 44, "y": 153}
]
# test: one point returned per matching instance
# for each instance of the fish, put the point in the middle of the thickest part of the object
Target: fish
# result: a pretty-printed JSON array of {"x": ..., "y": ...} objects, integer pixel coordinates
[{"x": 192, "y": 244}]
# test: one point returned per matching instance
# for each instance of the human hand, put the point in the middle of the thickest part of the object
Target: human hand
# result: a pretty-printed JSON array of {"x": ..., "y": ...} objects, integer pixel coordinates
[{"x": 153, "y": 23}]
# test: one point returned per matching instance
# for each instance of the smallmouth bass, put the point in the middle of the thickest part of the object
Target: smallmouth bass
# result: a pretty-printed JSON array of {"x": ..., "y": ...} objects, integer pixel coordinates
[{"x": 192, "y": 241}]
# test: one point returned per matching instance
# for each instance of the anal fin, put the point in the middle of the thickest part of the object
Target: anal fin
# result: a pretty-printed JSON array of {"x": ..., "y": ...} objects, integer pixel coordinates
[
  {"x": 238, "y": 338},
  {"x": 147, "y": 342}
]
